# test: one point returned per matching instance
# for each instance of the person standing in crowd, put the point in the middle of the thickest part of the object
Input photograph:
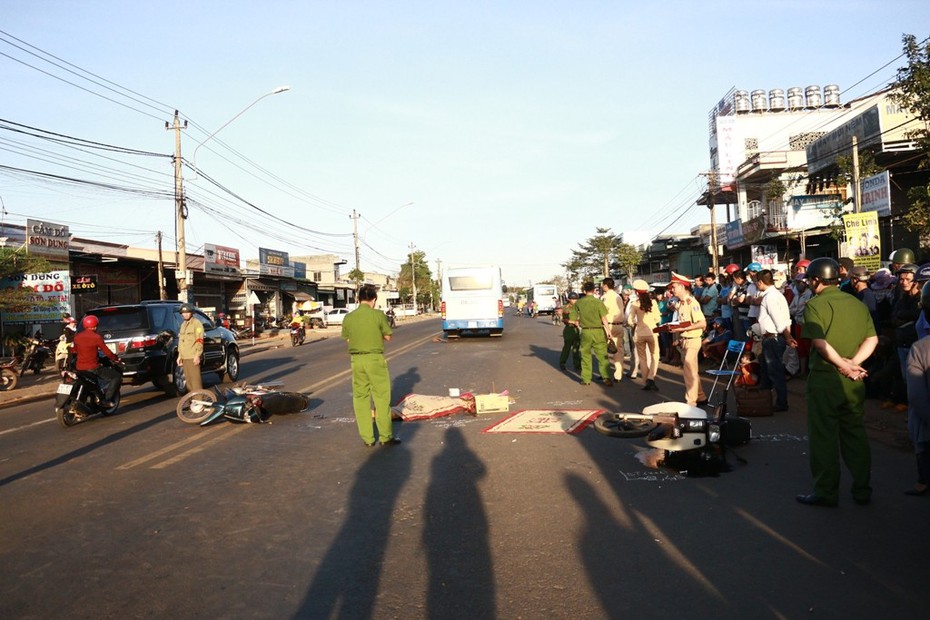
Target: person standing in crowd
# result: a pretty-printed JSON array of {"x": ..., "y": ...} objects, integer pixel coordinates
[
  {"x": 739, "y": 302},
  {"x": 616, "y": 319},
  {"x": 709, "y": 295},
  {"x": 571, "y": 340},
  {"x": 923, "y": 325},
  {"x": 859, "y": 279},
  {"x": 644, "y": 316},
  {"x": 846, "y": 264},
  {"x": 904, "y": 313},
  {"x": 689, "y": 337},
  {"x": 627, "y": 296},
  {"x": 918, "y": 409},
  {"x": 802, "y": 295},
  {"x": 843, "y": 337},
  {"x": 775, "y": 325},
  {"x": 592, "y": 318},
  {"x": 901, "y": 256},
  {"x": 366, "y": 329},
  {"x": 753, "y": 298},
  {"x": 190, "y": 347}
]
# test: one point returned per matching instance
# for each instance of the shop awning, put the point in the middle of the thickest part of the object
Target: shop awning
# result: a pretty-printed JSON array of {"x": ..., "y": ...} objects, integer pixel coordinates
[{"x": 301, "y": 296}]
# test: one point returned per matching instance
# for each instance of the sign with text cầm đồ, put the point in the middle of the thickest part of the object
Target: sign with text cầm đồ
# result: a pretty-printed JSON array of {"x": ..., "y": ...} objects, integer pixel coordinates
[{"x": 47, "y": 240}]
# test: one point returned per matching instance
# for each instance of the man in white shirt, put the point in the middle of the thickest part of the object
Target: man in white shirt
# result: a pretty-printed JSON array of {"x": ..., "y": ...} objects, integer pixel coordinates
[
  {"x": 775, "y": 325},
  {"x": 616, "y": 318}
]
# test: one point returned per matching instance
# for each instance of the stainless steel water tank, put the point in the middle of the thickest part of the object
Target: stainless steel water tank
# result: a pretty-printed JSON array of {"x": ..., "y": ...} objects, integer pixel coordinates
[
  {"x": 812, "y": 95},
  {"x": 831, "y": 96},
  {"x": 795, "y": 98},
  {"x": 741, "y": 101},
  {"x": 776, "y": 100},
  {"x": 759, "y": 104}
]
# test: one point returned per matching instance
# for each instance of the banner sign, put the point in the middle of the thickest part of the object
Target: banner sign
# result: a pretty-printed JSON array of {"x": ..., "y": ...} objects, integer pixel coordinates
[
  {"x": 816, "y": 211},
  {"x": 735, "y": 235},
  {"x": 753, "y": 229},
  {"x": 765, "y": 255},
  {"x": 47, "y": 240},
  {"x": 83, "y": 284},
  {"x": 863, "y": 242},
  {"x": 300, "y": 270},
  {"x": 53, "y": 287},
  {"x": 876, "y": 193},
  {"x": 274, "y": 263},
  {"x": 220, "y": 260}
]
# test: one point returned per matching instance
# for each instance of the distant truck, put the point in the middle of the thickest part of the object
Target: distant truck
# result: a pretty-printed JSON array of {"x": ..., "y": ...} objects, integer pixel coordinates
[{"x": 472, "y": 300}]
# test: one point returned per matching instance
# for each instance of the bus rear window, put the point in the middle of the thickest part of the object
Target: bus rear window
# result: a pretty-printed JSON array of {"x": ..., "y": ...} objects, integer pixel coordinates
[{"x": 470, "y": 283}]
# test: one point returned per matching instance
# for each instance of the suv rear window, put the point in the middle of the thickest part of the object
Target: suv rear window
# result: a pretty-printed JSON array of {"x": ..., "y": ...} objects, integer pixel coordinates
[
  {"x": 165, "y": 318},
  {"x": 132, "y": 318}
]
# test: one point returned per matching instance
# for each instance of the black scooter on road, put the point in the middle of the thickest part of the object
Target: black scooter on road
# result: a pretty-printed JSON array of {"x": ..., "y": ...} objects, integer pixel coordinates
[{"x": 82, "y": 393}]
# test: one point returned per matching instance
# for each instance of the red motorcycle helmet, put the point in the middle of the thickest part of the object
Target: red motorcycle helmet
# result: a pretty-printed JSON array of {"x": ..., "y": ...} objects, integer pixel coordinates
[
  {"x": 802, "y": 264},
  {"x": 89, "y": 322},
  {"x": 731, "y": 269}
]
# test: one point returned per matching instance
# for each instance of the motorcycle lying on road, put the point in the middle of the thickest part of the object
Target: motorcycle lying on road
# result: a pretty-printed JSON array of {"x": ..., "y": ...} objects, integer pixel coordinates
[
  {"x": 242, "y": 403},
  {"x": 82, "y": 393}
]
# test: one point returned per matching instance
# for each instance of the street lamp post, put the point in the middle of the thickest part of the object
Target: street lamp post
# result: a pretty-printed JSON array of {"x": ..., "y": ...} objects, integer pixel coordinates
[{"x": 180, "y": 209}]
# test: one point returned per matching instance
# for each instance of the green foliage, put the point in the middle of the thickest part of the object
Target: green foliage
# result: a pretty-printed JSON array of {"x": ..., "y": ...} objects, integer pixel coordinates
[
  {"x": 628, "y": 257},
  {"x": 427, "y": 288},
  {"x": 775, "y": 190},
  {"x": 593, "y": 258},
  {"x": 14, "y": 262},
  {"x": 357, "y": 276},
  {"x": 917, "y": 218}
]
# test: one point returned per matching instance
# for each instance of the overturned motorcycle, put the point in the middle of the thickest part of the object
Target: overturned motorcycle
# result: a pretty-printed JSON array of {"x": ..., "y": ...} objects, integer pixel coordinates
[
  {"x": 689, "y": 438},
  {"x": 242, "y": 403}
]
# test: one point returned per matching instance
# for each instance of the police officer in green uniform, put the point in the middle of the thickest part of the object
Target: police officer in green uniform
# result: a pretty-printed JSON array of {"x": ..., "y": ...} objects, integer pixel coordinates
[
  {"x": 571, "y": 340},
  {"x": 366, "y": 330},
  {"x": 592, "y": 318},
  {"x": 842, "y": 337},
  {"x": 190, "y": 347}
]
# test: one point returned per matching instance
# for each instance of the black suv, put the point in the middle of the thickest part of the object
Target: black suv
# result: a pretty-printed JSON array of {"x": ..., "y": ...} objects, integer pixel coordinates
[{"x": 145, "y": 337}]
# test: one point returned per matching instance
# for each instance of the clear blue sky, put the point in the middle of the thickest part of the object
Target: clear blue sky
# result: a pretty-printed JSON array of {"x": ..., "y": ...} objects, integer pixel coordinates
[{"x": 515, "y": 128}]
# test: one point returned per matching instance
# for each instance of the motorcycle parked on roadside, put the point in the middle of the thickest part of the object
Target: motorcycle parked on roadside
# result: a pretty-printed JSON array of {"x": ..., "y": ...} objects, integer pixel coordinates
[
  {"x": 244, "y": 403},
  {"x": 82, "y": 393},
  {"x": 35, "y": 356},
  {"x": 8, "y": 376}
]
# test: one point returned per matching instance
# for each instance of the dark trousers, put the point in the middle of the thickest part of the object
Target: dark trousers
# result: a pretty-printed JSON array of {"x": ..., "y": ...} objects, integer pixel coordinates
[{"x": 772, "y": 368}]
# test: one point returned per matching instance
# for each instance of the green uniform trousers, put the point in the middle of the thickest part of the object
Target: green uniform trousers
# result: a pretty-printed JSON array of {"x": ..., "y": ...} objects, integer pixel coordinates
[
  {"x": 571, "y": 343},
  {"x": 835, "y": 427},
  {"x": 594, "y": 341},
  {"x": 371, "y": 382}
]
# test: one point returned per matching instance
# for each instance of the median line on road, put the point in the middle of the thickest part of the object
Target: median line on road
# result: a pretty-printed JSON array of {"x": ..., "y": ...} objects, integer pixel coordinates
[
  {"x": 198, "y": 448},
  {"x": 175, "y": 446},
  {"x": 329, "y": 381},
  {"x": 25, "y": 426}
]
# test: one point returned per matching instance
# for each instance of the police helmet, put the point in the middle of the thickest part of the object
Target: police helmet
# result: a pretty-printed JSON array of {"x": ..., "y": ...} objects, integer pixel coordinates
[
  {"x": 925, "y": 298},
  {"x": 902, "y": 255},
  {"x": 924, "y": 273},
  {"x": 754, "y": 266},
  {"x": 185, "y": 308},
  {"x": 573, "y": 295},
  {"x": 907, "y": 268},
  {"x": 823, "y": 268}
]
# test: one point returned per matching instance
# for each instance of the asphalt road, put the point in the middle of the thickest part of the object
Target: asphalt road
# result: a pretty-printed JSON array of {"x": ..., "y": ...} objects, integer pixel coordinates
[{"x": 140, "y": 515}]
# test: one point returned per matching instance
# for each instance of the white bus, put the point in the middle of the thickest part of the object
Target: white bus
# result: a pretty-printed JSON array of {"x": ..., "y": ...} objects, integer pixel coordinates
[
  {"x": 472, "y": 301},
  {"x": 545, "y": 296}
]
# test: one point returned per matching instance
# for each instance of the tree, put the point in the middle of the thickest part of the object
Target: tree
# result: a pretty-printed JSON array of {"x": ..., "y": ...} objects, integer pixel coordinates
[
  {"x": 426, "y": 287},
  {"x": 595, "y": 257},
  {"x": 14, "y": 262},
  {"x": 912, "y": 92},
  {"x": 357, "y": 276},
  {"x": 628, "y": 257}
]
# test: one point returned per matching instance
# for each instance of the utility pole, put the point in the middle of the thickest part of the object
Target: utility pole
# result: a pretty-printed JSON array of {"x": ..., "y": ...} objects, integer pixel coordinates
[
  {"x": 161, "y": 270},
  {"x": 855, "y": 179},
  {"x": 355, "y": 217},
  {"x": 413, "y": 278},
  {"x": 712, "y": 205},
  {"x": 180, "y": 213}
]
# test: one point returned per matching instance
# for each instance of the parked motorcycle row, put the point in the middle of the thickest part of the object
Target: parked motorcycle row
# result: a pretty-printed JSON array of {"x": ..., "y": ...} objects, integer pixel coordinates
[{"x": 37, "y": 351}]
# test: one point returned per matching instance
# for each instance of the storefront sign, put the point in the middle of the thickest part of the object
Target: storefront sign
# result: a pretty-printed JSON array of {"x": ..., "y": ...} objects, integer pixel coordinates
[
  {"x": 53, "y": 287},
  {"x": 83, "y": 284},
  {"x": 876, "y": 193},
  {"x": 274, "y": 263},
  {"x": 47, "y": 240},
  {"x": 220, "y": 260},
  {"x": 815, "y": 211},
  {"x": 863, "y": 242}
]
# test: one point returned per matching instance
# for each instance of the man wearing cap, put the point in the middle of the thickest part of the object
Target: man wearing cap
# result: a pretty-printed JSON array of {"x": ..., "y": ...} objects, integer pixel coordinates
[
  {"x": 571, "y": 340},
  {"x": 753, "y": 297},
  {"x": 689, "y": 338},
  {"x": 739, "y": 305},
  {"x": 190, "y": 347},
  {"x": 592, "y": 318},
  {"x": 775, "y": 325},
  {"x": 616, "y": 319}
]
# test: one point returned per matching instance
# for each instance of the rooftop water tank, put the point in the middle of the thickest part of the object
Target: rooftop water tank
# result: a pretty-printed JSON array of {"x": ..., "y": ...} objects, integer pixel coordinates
[
  {"x": 759, "y": 103},
  {"x": 741, "y": 101},
  {"x": 795, "y": 98},
  {"x": 831, "y": 96},
  {"x": 776, "y": 100},
  {"x": 812, "y": 95}
]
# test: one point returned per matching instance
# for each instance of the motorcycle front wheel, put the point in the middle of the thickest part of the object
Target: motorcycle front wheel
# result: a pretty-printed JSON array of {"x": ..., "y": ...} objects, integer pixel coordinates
[
  {"x": 618, "y": 425},
  {"x": 196, "y": 407},
  {"x": 8, "y": 380}
]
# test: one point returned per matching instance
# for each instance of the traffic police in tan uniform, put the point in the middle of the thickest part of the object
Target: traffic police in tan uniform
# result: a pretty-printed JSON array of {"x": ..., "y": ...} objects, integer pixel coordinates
[
  {"x": 689, "y": 339},
  {"x": 190, "y": 347}
]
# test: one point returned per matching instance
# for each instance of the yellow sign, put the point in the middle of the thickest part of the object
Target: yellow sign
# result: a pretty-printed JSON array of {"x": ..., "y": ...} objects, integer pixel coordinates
[{"x": 862, "y": 239}]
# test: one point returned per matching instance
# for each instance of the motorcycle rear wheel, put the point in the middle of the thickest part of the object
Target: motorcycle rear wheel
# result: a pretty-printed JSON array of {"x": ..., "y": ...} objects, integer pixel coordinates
[
  {"x": 8, "y": 380},
  {"x": 618, "y": 425},
  {"x": 196, "y": 407},
  {"x": 112, "y": 410},
  {"x": 67, "y": 417}
]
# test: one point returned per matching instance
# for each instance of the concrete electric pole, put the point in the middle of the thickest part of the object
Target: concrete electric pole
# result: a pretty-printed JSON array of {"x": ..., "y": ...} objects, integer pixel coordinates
[{"x": 180, "y": 211}]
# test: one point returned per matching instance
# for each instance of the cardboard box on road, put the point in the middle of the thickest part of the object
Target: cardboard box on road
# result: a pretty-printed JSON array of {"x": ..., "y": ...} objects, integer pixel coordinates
[{"x": 491, "y": 403}]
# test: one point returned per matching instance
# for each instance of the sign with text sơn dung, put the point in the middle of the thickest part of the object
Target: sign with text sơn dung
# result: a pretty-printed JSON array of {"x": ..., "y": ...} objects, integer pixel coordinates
[
  {"x": 47, "y": 240},
  {"x": 51, "y": 287}
]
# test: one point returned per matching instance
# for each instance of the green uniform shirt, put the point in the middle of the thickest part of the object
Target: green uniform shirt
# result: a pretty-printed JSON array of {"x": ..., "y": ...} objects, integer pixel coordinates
[
  {"x": 365, "y": 328},
  {"x": 840, "y": 319},
  {"x": 190, "y": 340},
  {"x": 590, "y": 311}
]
